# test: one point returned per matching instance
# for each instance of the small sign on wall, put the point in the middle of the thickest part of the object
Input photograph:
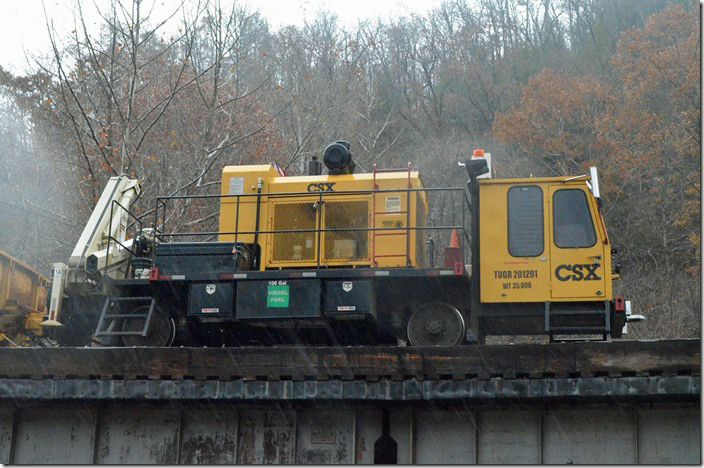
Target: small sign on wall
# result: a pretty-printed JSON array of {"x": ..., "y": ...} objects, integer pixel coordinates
[
  {"x": 236, "y": 185},
  {"x": 393, "y": 204},
  {"x": 322, "y": 435},
  {"x": 277, "y": 295}
]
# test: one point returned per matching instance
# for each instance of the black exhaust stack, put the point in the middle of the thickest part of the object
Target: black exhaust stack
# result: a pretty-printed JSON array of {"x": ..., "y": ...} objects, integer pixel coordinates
[{"x": 315, "y": 167}]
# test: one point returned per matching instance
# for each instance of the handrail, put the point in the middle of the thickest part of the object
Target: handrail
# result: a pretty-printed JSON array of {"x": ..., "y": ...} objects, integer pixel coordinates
[
  {"x": 294, "y": 231},
  {"x": 408, "y": 218},
  {"x": 327, "y": 194},
  {"x": 320, "y": 198}
]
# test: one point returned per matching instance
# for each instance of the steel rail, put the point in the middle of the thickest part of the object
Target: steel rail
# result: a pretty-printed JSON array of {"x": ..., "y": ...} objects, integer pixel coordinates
[{"x": 482, "y": 362}]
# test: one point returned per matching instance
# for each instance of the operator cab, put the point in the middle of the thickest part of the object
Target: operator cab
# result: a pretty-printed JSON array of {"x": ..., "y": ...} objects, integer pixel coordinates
[
  {"x": 542, "y": 239},
  {"x": 545, "y": 256}
]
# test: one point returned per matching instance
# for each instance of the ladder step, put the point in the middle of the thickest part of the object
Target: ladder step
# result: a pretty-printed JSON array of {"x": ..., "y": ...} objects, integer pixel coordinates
[
  {"x": 577, "y": 312},
  {"x": 401, "y": 169},
  {"x": 109, "y": 316},
  {"x": 577, "y": 330},
  {"x": 120, "y": 333}
]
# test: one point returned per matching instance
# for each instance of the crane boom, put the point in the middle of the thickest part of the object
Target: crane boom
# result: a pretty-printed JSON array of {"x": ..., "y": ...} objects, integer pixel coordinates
[{"x": 102, "y": 243}]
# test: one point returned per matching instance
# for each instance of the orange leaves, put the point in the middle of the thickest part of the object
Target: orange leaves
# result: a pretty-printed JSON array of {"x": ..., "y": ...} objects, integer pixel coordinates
[
  {"x": 693, "y": 271},
  {"x": 659, "y": 118},
  {"x": 640, "y": 125},
  {"x": 658, "y": 51},
  {"x": 659, "y": 69},
  {"x": 103, "y": 138},
  {"x": 649, "y": 113},
  {"x": 557, "y": 117}
]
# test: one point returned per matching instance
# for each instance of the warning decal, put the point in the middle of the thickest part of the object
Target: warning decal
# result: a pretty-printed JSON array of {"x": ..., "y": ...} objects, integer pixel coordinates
[
  {"x": 236, "y": 185},
  {"x": 393, "y": 204}
]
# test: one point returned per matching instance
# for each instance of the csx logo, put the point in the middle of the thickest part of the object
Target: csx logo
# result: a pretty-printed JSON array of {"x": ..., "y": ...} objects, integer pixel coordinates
[
  {"x": 578, "y": 272},
  {"x": 322, "y": 187}
]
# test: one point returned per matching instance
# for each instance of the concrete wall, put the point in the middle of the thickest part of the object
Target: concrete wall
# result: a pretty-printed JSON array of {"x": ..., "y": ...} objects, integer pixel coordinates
[{"x": 124, "y": 433}]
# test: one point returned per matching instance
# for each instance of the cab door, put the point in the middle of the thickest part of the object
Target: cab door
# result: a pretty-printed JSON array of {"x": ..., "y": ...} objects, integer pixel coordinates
[{"x": 576, "y": 250}]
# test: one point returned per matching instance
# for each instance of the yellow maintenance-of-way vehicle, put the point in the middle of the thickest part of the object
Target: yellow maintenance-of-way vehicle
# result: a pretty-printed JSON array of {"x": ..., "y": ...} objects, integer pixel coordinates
[{"x": 345, "y": 258}]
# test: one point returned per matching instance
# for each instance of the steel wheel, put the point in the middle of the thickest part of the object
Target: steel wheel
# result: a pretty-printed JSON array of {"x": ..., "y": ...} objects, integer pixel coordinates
[{"x": 435, "y": 324}]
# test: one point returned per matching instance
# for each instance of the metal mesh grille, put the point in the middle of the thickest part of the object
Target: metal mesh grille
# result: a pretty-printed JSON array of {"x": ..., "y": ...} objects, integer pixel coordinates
[
  {"x": 294, "y": 246},
  {"x": 346, "y": 245}
]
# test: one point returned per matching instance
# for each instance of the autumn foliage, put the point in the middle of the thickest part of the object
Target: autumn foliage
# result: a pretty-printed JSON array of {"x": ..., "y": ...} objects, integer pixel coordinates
[
  {"x": 557, "y": 121},
  {"x": 641, "y": 127}
]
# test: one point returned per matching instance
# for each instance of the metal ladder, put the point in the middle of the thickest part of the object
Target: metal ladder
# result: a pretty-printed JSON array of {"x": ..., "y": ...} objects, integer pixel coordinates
[{"x": 108, "y": 321}]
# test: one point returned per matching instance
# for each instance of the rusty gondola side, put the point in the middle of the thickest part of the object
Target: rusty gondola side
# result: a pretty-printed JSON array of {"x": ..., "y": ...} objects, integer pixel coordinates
[{"x": 23, "y": 293}]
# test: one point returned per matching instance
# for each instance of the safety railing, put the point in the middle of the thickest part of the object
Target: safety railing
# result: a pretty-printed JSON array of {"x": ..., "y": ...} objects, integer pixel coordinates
[{"x": 431, "y": 243}]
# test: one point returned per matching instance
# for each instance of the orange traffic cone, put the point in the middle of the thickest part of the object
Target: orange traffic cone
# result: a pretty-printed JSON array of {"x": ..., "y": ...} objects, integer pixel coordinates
[
  {"x": 453, "y": 253},
  {"x": 455, "y": 239}
]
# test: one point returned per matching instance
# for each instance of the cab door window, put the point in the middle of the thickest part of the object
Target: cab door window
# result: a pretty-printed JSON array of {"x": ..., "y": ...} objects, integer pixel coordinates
[
  {"x": 525, "y": 221},
  {"x": 573, "y": 227}
]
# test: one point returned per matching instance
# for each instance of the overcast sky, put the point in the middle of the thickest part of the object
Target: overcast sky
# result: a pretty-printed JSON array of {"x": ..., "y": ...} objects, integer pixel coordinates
[{"x": 22, "y": 25}]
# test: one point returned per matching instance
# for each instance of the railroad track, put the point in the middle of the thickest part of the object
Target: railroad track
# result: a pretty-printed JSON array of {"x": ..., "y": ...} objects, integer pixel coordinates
[{"x": 396, "y": 364}]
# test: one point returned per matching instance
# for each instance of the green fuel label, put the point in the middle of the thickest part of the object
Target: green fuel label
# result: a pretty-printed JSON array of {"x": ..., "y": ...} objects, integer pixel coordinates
[{"x": 277, "y": 296}]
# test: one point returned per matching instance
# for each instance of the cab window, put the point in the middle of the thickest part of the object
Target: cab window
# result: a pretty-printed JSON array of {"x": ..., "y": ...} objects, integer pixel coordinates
[
  {"x": 572, "y": 222},
  {"x": 525, "y": 221}
]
